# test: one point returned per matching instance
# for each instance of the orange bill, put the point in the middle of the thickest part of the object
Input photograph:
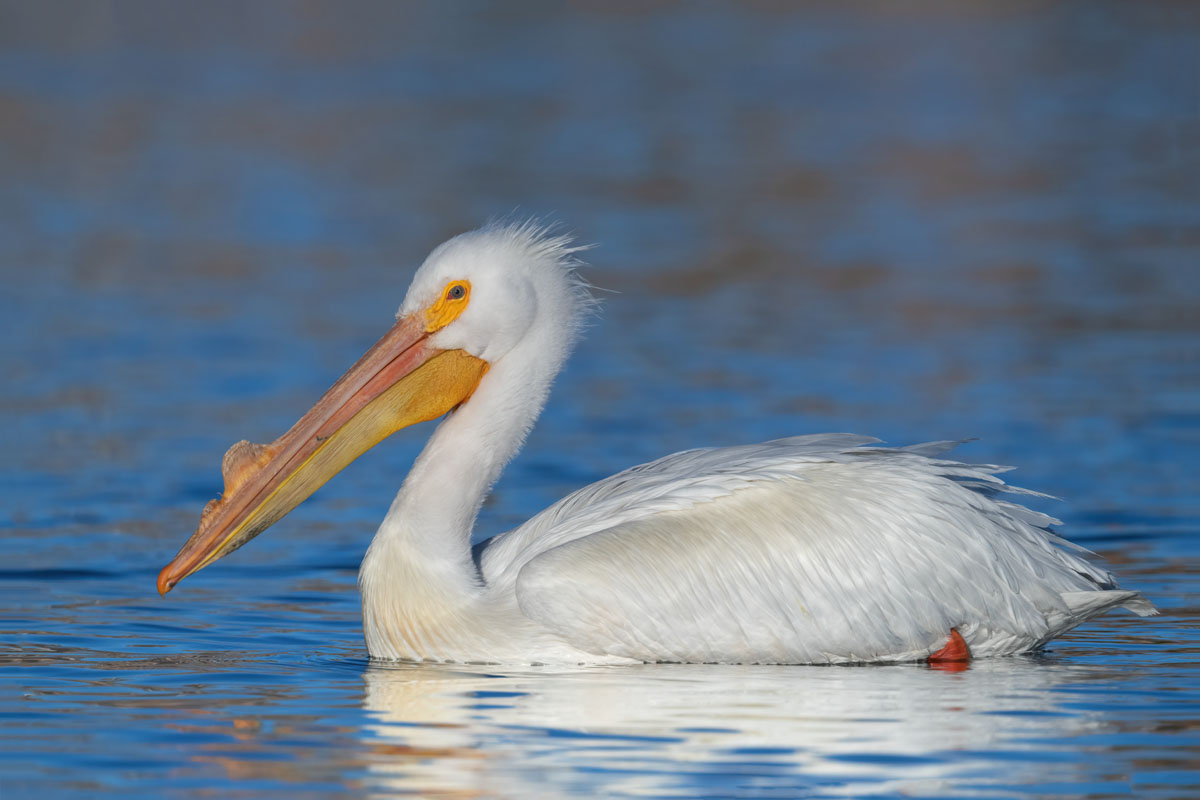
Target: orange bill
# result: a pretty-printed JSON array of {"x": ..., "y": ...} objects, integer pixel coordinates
[{"x": 400, "y": 381}]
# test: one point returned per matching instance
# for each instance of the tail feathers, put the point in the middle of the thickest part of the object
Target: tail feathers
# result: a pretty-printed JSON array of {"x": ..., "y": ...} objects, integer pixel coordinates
[
  {"x": 1140, "y": 606},
  {"x": 1089, "y": 604}
]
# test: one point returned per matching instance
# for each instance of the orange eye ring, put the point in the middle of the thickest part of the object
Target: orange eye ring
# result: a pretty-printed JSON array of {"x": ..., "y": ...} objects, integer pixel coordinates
[{"x": 449, "y": 306}]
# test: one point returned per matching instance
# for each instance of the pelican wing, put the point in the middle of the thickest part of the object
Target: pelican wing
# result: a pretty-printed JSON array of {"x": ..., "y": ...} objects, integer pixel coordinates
[{"x": 803, "y": 550}]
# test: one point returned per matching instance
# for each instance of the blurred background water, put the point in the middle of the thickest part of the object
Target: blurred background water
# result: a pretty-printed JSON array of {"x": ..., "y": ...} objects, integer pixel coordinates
[{"x": 932, "y": 221}]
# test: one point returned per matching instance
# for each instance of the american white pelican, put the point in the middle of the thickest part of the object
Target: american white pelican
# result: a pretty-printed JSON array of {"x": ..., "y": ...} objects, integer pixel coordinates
[{"x": 814, "y": 549}]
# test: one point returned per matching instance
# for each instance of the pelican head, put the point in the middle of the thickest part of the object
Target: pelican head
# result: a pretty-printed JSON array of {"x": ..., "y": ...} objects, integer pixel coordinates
[{"x": 503, "y": 299}]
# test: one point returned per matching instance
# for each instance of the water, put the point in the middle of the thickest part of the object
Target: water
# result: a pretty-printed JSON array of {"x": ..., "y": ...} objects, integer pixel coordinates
[{"x": 921, "y": 224}]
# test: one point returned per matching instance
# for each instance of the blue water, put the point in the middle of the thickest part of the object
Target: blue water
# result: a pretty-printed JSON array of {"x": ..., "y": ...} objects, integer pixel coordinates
[{"x": 918, "y": 224}]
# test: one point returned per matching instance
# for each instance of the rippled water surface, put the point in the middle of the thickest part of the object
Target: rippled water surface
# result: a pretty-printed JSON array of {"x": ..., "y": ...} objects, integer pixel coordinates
[{"x": 963, "y": 220}]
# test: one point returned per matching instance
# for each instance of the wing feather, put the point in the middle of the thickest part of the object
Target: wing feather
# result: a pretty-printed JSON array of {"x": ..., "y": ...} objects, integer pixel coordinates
[{"x": 810, "y": 549}]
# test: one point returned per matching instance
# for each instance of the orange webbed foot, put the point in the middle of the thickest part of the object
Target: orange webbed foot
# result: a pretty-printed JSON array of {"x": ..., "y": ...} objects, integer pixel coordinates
[{"x": 954, "y": 655}]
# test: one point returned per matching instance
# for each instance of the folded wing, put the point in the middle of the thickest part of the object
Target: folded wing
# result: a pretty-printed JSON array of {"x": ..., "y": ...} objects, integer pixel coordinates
[{"x": 804, "y": 550}]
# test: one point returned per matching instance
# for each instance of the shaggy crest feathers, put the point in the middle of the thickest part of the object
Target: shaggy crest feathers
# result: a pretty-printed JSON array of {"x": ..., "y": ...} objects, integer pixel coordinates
[{"x": 545, "y": 242}]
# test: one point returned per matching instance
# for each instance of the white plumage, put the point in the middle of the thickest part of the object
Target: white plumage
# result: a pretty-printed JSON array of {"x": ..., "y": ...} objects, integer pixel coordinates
[{"x": 814, "y": 549}]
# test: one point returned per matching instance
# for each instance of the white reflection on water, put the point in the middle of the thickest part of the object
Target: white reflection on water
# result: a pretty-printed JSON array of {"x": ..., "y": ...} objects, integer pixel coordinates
[{"x": 733, "y": 731}]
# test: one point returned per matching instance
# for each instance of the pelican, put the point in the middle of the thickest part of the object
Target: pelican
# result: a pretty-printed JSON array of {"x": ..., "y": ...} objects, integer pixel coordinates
[{"x": 807, "y": 550}]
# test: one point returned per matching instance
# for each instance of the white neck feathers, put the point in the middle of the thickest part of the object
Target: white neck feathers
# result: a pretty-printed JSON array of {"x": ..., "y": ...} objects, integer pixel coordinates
[{"x": 419, "y": 564}]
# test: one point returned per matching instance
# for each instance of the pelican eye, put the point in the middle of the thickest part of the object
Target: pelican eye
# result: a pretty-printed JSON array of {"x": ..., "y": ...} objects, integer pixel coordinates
[{"x": 453, "y": 302}]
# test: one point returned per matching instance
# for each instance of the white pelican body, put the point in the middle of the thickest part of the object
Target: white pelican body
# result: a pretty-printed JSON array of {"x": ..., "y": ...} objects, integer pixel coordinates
[{"x": 813, "y": 549}]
